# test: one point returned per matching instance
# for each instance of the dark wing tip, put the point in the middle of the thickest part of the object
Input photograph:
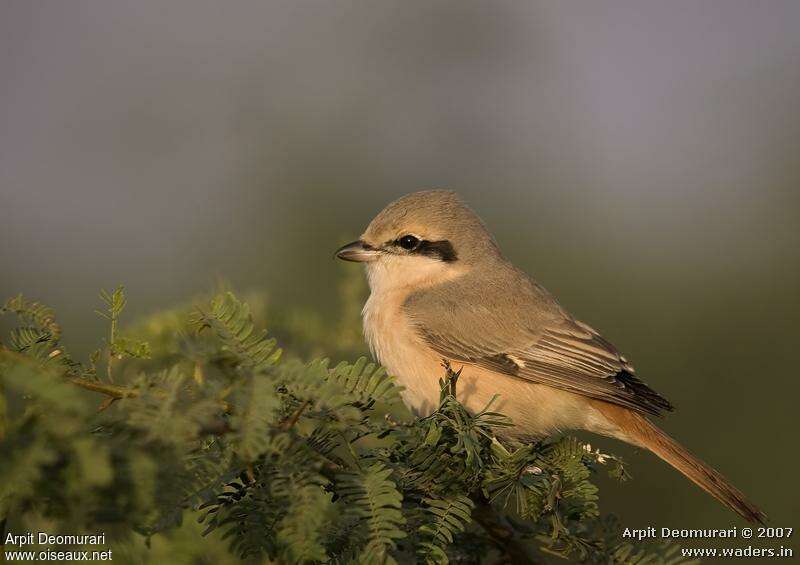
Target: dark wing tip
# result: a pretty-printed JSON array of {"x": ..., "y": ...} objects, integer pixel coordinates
[{"x": 650, "y": 400}]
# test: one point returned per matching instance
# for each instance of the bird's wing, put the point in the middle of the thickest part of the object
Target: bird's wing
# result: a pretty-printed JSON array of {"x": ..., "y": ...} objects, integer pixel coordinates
[{"x": 532, "y": 338}]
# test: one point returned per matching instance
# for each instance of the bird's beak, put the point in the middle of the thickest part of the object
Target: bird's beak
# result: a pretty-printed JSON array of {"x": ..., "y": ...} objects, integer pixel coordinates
[{"x": 357, "y": 251}]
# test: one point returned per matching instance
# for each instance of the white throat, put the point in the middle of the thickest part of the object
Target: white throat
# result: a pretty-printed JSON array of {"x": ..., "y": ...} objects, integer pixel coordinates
[
  {"x": 387, "y": 329},
  {"x": 392, "y": 274}
]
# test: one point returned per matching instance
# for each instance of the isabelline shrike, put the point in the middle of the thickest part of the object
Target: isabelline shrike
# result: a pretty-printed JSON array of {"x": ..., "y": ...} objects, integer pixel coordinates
[{"x": 441, "y": 290}]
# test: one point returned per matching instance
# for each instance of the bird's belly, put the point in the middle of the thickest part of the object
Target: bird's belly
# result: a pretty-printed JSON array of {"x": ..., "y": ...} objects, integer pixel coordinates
[
  {"x": 535, "y": 409},
  {"x": 396, "y": 346}
]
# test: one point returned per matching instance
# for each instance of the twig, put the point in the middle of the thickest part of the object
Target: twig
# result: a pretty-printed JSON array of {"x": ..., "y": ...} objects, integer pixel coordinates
[
  {"x": 106, "y": 403},
  {"x": 289, "y": 424},
  {"x": 115, "y": 392},
  {"x": 451, "y": 377}
]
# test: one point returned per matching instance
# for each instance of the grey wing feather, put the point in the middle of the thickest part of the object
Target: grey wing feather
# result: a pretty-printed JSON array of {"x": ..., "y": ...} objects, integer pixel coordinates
[{"x": 532, "y": 338}]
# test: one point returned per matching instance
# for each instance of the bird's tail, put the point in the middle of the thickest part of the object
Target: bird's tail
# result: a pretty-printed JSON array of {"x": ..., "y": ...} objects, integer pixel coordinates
[{"x": 644, "y": 433}]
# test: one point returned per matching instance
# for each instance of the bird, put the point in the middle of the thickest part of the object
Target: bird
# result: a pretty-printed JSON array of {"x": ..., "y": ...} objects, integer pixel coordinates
[{"x": 442, "y": 292}]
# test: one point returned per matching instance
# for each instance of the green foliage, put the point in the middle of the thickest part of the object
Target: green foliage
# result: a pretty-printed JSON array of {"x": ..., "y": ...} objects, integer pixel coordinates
[
  {"x": 233, "y": 323},
  {"x": 33, "y": 314},
  {"x": 118, "y": 347},
  {"x": 448, "y": 517},
  {"x": 375, "y": 503},
  {"x": 201, "y": 444}
]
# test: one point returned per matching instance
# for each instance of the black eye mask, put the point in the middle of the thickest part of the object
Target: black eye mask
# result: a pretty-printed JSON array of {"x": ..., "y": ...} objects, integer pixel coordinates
[{"x": 441, "y": 250}]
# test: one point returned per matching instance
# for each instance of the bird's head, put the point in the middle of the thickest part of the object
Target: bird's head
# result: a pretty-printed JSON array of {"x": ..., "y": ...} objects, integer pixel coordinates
[{"x": 421, "y": 239}]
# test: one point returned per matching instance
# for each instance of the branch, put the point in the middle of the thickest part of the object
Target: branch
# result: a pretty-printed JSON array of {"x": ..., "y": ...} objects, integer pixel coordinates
[{"x": 114, "y": 391}]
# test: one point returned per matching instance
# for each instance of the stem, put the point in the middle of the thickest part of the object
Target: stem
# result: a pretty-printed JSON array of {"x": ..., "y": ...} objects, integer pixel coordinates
[
  {"x": 116, "y": 304},
  {"x": 113, "y": 391},
  {"x": 296, "y": 416},
  {"x": 111, "y": 346}
]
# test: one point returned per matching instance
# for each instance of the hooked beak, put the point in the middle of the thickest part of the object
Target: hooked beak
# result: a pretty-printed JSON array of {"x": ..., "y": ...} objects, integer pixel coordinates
[{"x": 358, "y": 251}]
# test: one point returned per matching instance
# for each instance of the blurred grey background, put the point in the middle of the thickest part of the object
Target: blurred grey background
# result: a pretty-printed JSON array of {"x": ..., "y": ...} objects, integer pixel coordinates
[{"x": 642, "y": 160}]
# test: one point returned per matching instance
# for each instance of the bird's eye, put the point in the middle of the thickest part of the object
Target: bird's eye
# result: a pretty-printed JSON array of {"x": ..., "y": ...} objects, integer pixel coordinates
[{"x": 408, "y": 242}]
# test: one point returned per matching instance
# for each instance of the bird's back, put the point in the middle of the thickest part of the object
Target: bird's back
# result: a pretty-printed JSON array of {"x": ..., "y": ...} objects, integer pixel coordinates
[{"x": 497, "y": 305}]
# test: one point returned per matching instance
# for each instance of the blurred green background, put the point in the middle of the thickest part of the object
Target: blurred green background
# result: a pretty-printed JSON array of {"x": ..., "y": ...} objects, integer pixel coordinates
[{"x": 642, "y": 161}]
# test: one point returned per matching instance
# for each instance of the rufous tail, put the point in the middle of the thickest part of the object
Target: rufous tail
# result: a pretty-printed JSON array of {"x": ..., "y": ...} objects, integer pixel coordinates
[{"x": 644, "y": 433}]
